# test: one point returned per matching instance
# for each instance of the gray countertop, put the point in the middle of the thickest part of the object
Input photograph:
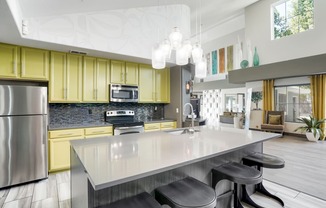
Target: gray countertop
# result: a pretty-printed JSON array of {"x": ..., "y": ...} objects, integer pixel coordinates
[
  {"x": 63, "y": 126},
  {"x": 109, "y": 161}
]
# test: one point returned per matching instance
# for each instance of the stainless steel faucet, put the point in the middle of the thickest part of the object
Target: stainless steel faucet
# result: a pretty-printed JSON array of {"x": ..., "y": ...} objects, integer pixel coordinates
[{"x": 191, "y": 130}]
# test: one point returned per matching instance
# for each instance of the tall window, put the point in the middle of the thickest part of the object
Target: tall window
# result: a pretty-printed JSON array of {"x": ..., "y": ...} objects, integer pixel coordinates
[
  {"x": 295, "y": 101},
  {"x": 292, "y": 17}
]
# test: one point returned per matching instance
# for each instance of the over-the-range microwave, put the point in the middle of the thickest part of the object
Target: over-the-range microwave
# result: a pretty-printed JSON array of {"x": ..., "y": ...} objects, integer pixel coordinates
[{"x": 123, "y": 93}]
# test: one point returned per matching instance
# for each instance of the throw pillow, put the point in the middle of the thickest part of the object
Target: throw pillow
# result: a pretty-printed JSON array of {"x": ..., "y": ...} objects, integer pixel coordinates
[{"x": 274, "y": 119}]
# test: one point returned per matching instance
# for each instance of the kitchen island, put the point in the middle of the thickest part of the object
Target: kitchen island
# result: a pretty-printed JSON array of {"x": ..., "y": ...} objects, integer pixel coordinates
[{"x": 106, "y": 169}]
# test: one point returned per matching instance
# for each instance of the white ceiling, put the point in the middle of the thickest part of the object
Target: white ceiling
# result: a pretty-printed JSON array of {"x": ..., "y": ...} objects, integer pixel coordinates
[{"x": 212, "y": 11}]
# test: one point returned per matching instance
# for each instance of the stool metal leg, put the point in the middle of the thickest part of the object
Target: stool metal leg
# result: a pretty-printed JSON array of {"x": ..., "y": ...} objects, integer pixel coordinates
[
  {"x": 260, "y": 188},
  {"x": 236, "y": 200},
  {"x": 246, "y": 198}
]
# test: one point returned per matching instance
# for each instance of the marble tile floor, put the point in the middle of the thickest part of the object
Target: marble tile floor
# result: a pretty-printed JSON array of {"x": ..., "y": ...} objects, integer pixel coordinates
[{"x": 55, "y": 193}]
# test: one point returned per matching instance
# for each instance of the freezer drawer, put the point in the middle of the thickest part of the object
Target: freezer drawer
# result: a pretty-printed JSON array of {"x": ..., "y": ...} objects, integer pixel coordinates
[
  {"x": 22, "y": 100},
  {"x": 23, "y": 149}
]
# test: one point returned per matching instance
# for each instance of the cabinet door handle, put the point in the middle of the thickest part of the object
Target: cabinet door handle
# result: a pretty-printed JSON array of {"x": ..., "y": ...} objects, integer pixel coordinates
[
  {"x": 64, "y": 93},
  {"x": 122, "y": 77},
  {"x": 14, "y": 68}
]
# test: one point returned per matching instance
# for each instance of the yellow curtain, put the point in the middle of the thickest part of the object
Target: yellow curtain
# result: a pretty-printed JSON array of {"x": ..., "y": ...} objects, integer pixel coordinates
[
  {"x": 268, "y": 96},
  {"x": 318, "y": 96}
]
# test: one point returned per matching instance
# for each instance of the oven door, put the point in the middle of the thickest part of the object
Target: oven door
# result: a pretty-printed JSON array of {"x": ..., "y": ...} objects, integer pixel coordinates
[
  {"x": 128, "y": 130},
  {"x": 122, "y": 93}
]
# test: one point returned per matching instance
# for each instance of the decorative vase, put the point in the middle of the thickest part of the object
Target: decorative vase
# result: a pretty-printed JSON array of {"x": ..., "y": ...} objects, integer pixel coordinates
[
  {"x": 256, "y": 58},
  {"x": 310, "y": 136}
]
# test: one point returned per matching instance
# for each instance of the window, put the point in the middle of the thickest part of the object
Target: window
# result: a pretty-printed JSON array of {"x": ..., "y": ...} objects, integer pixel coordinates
[
  {"x": 234, "y": 102},
  {"x": 295, "y": 101},
  {"x": 292, "y": 17}
]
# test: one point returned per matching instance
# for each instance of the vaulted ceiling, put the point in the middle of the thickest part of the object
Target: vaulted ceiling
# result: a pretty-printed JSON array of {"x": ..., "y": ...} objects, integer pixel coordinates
[{"x": 212, "y": 12}]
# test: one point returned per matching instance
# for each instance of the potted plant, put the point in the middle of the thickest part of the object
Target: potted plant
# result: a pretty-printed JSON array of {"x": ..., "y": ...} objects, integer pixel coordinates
[
  {"x": 311, "y": 127},
  {"x": 256, "y": 97}
]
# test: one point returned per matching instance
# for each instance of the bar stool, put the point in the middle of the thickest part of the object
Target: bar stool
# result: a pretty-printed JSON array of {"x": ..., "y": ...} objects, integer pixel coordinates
[
  {"x": 143, "y": 200},
  {"x": 186, "y": 193},
  {"x": 239, "y": 174},
  {"x": 262, "y": 160}
]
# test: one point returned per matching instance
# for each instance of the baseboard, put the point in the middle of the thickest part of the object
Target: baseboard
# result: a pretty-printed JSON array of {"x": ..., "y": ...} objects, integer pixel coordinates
[
  {"x": 285, "y": 133},
  {"x": 294, "y": 134}
]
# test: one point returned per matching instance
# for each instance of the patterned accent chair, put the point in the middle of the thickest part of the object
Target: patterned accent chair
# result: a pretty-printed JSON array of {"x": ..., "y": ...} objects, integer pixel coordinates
[{"x": 273, "y": 122}]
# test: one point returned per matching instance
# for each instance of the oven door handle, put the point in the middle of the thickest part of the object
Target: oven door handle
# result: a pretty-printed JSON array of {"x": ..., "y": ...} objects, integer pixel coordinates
[
  {"x": 129, "y": 132},
  {"x": 128, "y": 127}
]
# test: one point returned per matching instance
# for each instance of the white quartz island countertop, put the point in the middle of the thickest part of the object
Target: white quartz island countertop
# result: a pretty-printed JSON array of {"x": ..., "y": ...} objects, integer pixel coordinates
[{"x": 110, "y": 161}]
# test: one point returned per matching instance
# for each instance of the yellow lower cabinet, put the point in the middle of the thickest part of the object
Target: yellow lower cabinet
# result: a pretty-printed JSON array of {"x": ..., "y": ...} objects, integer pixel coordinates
[
  {"x": 59, "y": 147},
  {"x": 168, "y": 125},
  {"x": 152, "y": 127},
  {"x": 98, "y": 132},
  {"x": 60, "y": 153}
]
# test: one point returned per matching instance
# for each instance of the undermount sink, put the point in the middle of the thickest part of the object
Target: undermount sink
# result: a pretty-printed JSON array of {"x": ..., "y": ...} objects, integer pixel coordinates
[{"x": 180, "y": 131}]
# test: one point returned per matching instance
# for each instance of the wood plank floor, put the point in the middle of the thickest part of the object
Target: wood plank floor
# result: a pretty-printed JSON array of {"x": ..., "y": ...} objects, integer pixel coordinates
[
  {"x": 303, "y": 177},
  {"x": 305, "y": 164},
  {"x": 55, "y": 193}
]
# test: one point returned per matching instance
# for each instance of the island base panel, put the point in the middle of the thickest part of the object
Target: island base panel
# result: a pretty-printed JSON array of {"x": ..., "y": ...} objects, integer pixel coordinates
[{"x": 84, "y": 194}]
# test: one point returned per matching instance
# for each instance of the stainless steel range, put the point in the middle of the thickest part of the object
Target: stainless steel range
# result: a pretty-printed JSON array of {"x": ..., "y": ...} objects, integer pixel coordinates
[{"x": 124, "y": 122}]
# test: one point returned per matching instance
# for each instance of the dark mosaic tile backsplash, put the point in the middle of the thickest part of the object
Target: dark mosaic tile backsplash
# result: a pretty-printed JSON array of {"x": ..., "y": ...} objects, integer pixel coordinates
[{"x": 94, "y": 112}]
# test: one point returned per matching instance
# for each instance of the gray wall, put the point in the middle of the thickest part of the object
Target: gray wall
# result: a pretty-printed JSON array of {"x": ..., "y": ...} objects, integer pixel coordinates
[{"x": 178, "y": 77}]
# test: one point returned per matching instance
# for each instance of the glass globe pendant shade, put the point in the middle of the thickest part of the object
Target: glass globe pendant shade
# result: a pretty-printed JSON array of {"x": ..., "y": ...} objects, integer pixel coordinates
[
  {"x": 197, "y": 53},
  {"x": 175, "y": 38},
  {"x": 188, "y": 47},
  {"x": 201, "y": 68},
  {"x": 166, "y": 48},
  {"x": 158, "y": 58},
  {"x": 181, "y": 56}
]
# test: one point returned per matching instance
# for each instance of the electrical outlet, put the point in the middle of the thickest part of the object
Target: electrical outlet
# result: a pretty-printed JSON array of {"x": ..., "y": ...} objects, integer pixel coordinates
[{"x": 177, "y": 110}]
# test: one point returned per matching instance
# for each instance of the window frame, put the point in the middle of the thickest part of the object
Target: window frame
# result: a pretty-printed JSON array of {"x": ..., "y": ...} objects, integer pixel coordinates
[
  {"x": 287, "y": 103},
  {"x": 286, "y": 14}
]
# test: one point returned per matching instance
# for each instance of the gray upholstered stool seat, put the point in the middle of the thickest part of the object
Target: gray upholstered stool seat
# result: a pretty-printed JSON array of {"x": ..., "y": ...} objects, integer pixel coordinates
[
  {"x": 186, "y": 193},
  {"x": 143, "y": 200},
  {"x": 238, "y": 174},
  {"x": 261, "y": 160}
]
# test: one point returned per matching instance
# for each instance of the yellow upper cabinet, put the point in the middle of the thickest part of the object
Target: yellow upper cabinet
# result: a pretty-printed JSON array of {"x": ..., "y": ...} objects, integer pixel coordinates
[
  {"x": 131, "y": 75},
  {"x": 124, "y": 73},
  {"x": 146, "y": 84},
  {"x": 34, "y": 64},
  {"x": 74, "y": 78},
  {"x": 96, "y": 80},
  {"x": 117, "y": 72},
  {"x": 9, "y": 61},
  {"x": 162, "y": 85},
  {"x": 154, "y": 85},
  {"x": 102, "y": 80},
  {"x": 65, "y": 77}
]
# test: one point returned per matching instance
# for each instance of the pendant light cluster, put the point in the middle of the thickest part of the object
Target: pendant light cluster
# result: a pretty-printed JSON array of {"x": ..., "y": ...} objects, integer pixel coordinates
[{"x": 184, "y": 51}]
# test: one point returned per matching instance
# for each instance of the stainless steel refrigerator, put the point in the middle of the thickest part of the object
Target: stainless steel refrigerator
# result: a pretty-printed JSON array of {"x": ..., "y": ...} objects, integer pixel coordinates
[{"x": 23, "y": 134}]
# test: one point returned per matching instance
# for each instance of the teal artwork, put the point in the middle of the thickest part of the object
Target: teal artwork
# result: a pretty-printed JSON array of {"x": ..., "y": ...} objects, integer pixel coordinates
[{"x": 214, "y": 62}]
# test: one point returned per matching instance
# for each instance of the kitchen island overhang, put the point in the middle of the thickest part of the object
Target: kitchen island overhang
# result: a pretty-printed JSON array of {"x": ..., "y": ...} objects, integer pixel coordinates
[{"x": 108, "y": 163}]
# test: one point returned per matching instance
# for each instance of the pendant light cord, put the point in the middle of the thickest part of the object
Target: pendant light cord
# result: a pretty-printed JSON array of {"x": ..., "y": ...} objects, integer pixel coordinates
[{"x": 200, "y": 21}]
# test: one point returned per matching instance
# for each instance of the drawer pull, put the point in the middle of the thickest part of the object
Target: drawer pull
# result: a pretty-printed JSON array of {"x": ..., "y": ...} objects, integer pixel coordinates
[
  {"x": 96, "y": 132},
  {"x": 66, "y": 134}
]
